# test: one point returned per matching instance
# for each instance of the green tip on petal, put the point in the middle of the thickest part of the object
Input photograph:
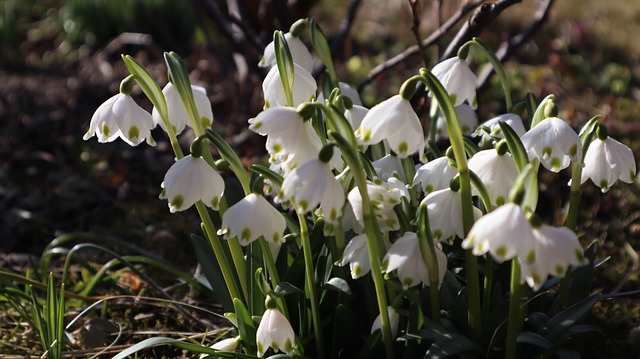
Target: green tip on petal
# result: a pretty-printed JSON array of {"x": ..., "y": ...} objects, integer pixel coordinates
[
  {"x": 547, "y": 151},
  {"x": 604, "y": 184},
  {"x": 555, "y": 163},
  {"x": 580, "y": 256},
  {"x": 531, "y": 257},
  {"x": 276, "y": 237},
  {"x": 403, "y": 147},
  {"x": 559, "y": 269},
  {"x": 106, "y": 130},
  {"x": 406, "y": 283},
  {"x": 437, "y": 233},
  {"x": 357, "y": 270},
  {"x": 206, "y": 123},
  {"x": 501, "y": 251},
  {"x": 302, "y": 206},
  {"x": 366, "y": 136},
  {"x": 277, "y": 148},
  {"x": 215, "y": 202},
  {"x": 453, "y": 97},
  {"x": 573, "y": 151},
  {"x": 134, "y": 132},
  {"x": 177, "y": 201},
  {"x": 536, "y": 278},
  {"x": 245, "y": 236}
]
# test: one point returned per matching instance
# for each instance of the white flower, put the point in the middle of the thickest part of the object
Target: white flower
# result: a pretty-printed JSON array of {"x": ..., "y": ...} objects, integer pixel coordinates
[
  {"x": 356, "y": 253},
  {"x": 554, "y": 142},
  {"x": 395, "y": 121},
  {"x": 384, "y": 196},
  {"x": 290, "y": 140},
  {"x": 252, "y": 217},
  {"x": 434, "y": 175},
  {"x": 276, "y": 332},
  {"x": 458, "y": 79},
  {"x": 120, "y": 116},
  {"x": 504, "y": 233},
  {"x": 177, "y": 112},
  {"x": 189, "y": 180},
  {"x": 355, "y": 115},
  {"x": 490, "y": 130},
  {"x": 225, "y": 345},
  {"x": 405, "y": 258},
  {"x": 304, "y": 87},
  {"x": 497, "y": 172},
  {"x": 606, "y": 161},
  {"x": 556, "y": 248},
  {"x": 313, "y": 184},
  {"x": 394, "y": 321},
  {"x": 445, "y": 214},
  {"x": 389, "y": 166},
  {"x": 346, "y": 90},
  {"x": 299, "y": 52},
  {"x": 467, "y": 119}
]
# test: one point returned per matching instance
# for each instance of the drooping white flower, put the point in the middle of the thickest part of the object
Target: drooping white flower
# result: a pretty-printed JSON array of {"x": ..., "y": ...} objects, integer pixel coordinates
[
  {"x": 606, "y": 161},
  {"x": 225, "y": 345},
  {"x": 394, "y": 321},
  {"x": 445, "y": 214},
  {"x": 554, "y": 143},
  {"x": 177, "y": 112},
  {"x": 458, "y": 79},
  {"x": 389, "y": 166},
  {"x": 467, "y": 119},
  {"x": 290, "y": 140},
  {"x": 434, "y": 175},
  {"x": 395, "y": 121},
  {"x": 276, "y": 332},
  {"x": 497, "y": 172},
  {"x": 405, "y": 258},
  {"x": 252, "y": 217},
  {"x": 191, "y": 179},
  {"x": 356, "y": 254},
  {"x": 384, "y": 196},
  {"x": 299, "y": 52},
  {"x": 355, "y": 115},
  {"x": 490, "y": 130},
  {"x": 304, "y": 87},
  {"x": 346, "y": 90},
  {"x": 504, "y": 233},
  {"x": 120, "y": 116},
  {"x": 312, "y": 184},
  {"x": 556, "y": 248}
]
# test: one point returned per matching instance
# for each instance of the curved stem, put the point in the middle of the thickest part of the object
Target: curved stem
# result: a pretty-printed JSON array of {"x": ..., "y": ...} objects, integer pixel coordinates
[{"x": 311, "y": 284}]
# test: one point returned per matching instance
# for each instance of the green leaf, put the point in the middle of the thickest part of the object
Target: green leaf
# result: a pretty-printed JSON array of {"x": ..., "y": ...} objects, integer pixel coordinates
[
  {"x": 267, "y": 173},
  {"x": 450, "y": 345},
  {"x": 515, "y": 146},
  {"x": 371, "y": 346},
  {"x": 194, "y": 348},
  {"x": 147, "y": 83},
  {"x": 558, "y": 325},
  {"x": 246, "y": 325},
  {"x": 338, "y": 284},
  {"x": 227, "y": 153},
  {"x": 284, "y": 288},
  {"x": 534, "y": 339},
  {"x": 321, "y": 47},
  {"x": 286, "y": 67},
  {"x": 212, "y": 272}
]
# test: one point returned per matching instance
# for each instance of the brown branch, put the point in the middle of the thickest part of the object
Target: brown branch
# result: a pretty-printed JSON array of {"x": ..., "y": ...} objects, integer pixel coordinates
[
  {"x": 345, "y": 26},
  {"x": 509, "y": 47},
  {"x": 483, "y": 16},
  {"x": 412, "y": 50},
  {"x": 415, "y": 28}
]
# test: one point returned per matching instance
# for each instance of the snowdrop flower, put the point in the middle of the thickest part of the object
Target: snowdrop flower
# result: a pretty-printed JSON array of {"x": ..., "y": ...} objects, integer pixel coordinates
[
  {"x": 445, "y": 214},
  {"x": 299, "y": 52},
  {"x": 394, "y": 321},
  {"x": 304, "y": 87},
  {"x": 348, "y": 91},
  {"x": 356, "y": 254},
  {"x": 384, "y": 196},
  {"x": 490, "y": 130},
  {"x": 458, "y": 79},
  {"x": 189, "y": 180},
  {"x": 120, "y": 116},
  {"x": 405, "y": 258},
  {"x": 434, "y": 175},
  {"x": 291, "y": 141},
  {"x": 225, "y": 345},
  {"x": 554, "y": 142},
  {"x": 606, "y": 161},
  {"x": 389, "y": 166},
  {"x": 555, "y": 249},
  {"x": 466, "y": 117},
  {"x": 504, "y": 233},
  {"x": 355, "y": 115},
  {"x": 274, "y": 331},
  {"x": 313, "y": 184},
  {"x": 497, "y": 171},
  {"x": 252, "y": 217},
  {"x": 395, "y": 121},
  {"x": 177, "y": 112}
]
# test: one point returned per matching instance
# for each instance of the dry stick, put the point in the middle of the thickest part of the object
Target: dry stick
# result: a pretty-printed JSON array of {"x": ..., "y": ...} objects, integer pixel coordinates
[
  {"x": 345, "y": 27},
  {"x": 415, "y": 28},
  {"x": 509, "y": 47},
  {"x": 411, "y": 50}
]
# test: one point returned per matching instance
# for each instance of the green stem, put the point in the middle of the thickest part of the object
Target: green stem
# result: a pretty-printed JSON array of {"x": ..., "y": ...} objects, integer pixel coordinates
[
  {"x": 237, "y": 256},
  {"x": 272, "y": 272},
  {"x": 373, "y": 233},
  {"x": 515, "y": 314},
  {"x": 218, "y": 250},
  {"x": 430, "y": 258},
  {"x": 311, "y": 284},
  {"x": 457, "y": 144}
]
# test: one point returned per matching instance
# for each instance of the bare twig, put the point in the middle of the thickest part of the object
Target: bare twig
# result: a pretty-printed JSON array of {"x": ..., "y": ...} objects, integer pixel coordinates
[
  {"x": 435, "y": 36},
  {"x": 483, "y": 16},
  {"x": 415, "y": 28},
  {"x": 510, "y": 46}
]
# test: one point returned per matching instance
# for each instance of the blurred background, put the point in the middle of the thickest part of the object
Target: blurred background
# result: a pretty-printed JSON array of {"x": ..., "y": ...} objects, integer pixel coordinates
[{"x": 60, "y": 59}]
